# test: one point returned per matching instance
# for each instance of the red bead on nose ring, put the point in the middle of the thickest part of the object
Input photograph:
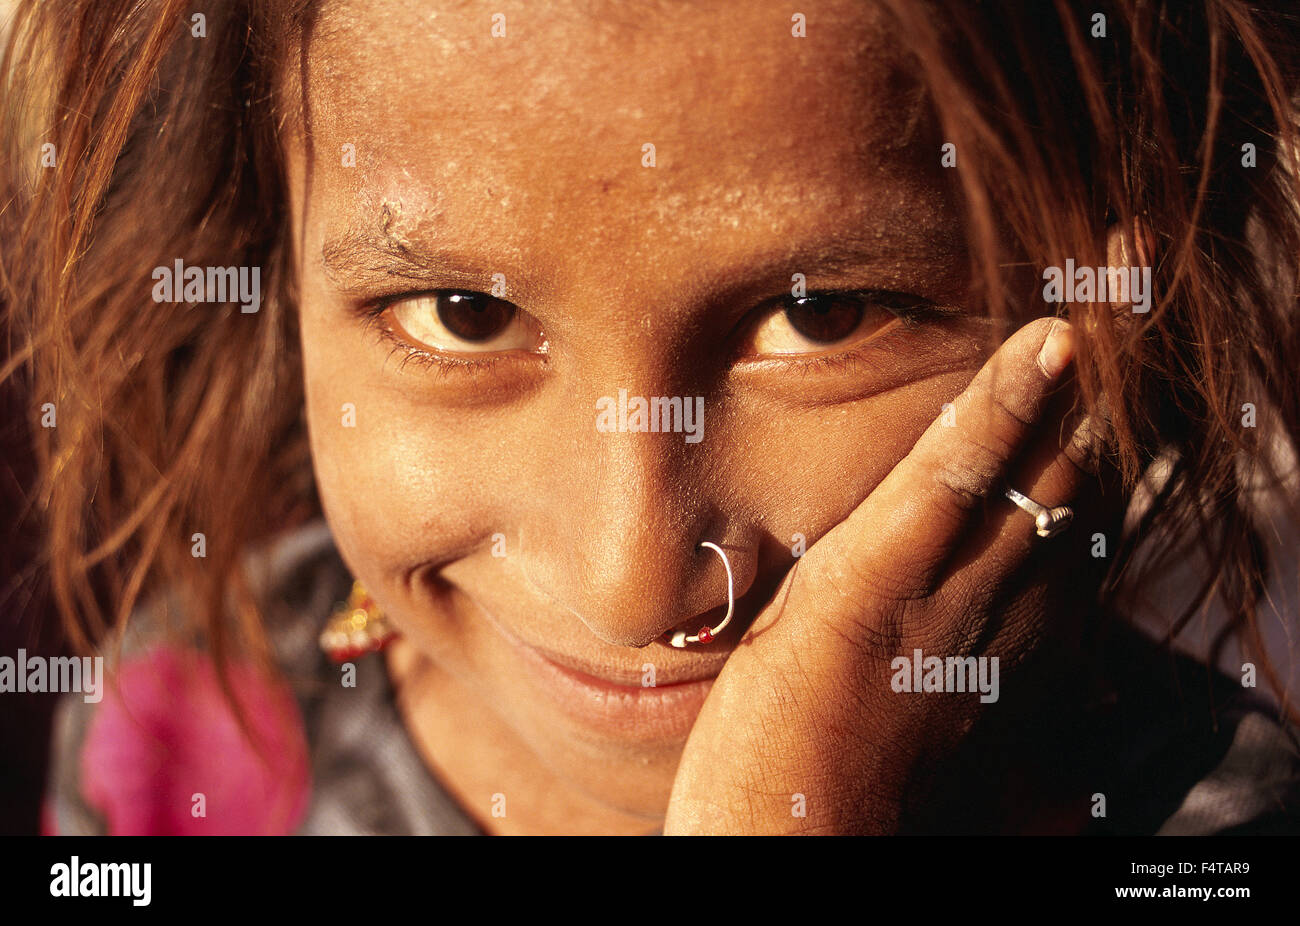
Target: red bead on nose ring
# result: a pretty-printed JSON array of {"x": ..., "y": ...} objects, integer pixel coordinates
[{"x": 680, "y": 639}]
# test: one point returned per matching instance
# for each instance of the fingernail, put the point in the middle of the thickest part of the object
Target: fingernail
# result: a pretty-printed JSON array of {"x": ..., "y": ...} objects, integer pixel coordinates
[{"x": 1057, "y": 349}]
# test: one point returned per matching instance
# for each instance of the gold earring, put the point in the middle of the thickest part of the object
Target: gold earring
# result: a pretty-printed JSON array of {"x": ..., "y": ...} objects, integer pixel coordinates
[{"x": 356, "y": 627}]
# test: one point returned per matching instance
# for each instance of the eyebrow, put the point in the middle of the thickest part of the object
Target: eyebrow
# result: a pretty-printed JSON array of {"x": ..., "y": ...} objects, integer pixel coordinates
[
  {"x": 364, "y": 262},
  {"x": 356, "y": 261}
]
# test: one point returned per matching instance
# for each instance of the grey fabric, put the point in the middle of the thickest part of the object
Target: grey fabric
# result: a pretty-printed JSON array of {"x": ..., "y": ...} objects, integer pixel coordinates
[
  {"x": 1255, "y": 780},
  {"x": 72, "y": 815},
  {"x": 1169, "y": 763},
  {"x": 367, "y": 777}
]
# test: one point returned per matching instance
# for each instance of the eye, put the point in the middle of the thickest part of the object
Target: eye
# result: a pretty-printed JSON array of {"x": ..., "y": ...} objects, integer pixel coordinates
[
  {"x": 820, "y": 322},
  {"x": 463, "y": 322}
]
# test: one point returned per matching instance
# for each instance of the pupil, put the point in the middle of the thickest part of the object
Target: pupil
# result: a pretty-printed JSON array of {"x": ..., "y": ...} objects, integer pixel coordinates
[
  {"x": 824, "y": 319},
  {"x": 474, "y": 317}
]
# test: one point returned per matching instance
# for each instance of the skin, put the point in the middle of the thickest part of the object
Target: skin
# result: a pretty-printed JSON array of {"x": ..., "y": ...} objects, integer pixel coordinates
[{"x": 774, "y": 156}]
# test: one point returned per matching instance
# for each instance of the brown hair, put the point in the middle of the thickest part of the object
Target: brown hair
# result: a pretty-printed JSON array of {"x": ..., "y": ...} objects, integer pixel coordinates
[{"x": 173, "y": 421}]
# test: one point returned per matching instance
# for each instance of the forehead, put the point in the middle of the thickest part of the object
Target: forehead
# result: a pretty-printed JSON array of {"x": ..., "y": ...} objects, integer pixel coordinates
[{"x": 519, "y": 142}]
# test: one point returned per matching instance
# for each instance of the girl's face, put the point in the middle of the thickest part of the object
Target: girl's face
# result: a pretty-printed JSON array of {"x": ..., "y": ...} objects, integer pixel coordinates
[{"x": 642, "y": 188}]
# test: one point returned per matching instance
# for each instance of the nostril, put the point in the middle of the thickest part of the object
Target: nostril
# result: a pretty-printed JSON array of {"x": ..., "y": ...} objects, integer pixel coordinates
[{"x": 705, "y": 634}]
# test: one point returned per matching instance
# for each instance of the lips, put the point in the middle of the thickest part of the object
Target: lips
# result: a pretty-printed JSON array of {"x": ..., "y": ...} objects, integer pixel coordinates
[
  {"x": 623, "y": 677},
  {"x": 616, "y": 705},
  {"x": 672, "y": 666},
  {"x": 611, "y": 701}
]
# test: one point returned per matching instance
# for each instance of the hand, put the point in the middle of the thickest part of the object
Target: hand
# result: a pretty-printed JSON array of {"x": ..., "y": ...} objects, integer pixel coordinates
[{"x": 805, "y": 707}]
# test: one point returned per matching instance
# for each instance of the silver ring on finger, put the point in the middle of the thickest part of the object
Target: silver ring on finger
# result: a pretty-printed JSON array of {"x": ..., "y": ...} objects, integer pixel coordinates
[{"x": 1048, "y": 521}]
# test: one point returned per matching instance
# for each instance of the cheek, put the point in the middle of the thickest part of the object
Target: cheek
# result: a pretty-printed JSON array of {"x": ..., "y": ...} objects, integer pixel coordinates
[
  {"x": 807, "y": 470},
  {"x": 401, "y": 483}
]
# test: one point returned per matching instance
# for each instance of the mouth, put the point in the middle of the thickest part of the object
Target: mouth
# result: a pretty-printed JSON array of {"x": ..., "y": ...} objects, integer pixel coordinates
[
  {"x": 619, "y": 677},
  {"x": 608, "y": 702},
  {"x": 654, "y": 701},
  {"x": 645, "y": 695}
]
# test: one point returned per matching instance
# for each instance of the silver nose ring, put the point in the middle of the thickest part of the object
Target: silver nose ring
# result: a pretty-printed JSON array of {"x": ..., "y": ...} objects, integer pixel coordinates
[{"x": 705, "y": 634}]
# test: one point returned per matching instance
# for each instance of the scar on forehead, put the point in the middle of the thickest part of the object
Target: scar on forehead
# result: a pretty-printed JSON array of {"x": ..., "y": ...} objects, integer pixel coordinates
[{"x": 392, "y": 223}]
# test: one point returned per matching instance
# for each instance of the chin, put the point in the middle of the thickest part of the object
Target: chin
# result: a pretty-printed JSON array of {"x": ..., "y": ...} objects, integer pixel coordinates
[{"x": 630, "y": 775}]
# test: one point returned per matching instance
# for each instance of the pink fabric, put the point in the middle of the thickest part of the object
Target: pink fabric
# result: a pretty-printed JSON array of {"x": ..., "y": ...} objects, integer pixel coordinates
[
  {"x": 49, "y": 819},
  {"x": 165, "y": 733}
]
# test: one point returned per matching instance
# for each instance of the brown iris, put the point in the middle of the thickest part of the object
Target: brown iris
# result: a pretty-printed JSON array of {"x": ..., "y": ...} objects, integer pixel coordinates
[
  {"x": 474, "y": 316},
  {"x": 825, "y": 318}
]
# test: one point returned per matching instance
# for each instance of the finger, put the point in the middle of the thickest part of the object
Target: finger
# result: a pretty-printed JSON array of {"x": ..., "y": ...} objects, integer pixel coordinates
[
  {"x": 1052, "y": 473},
  {"x": 912, "y": 521}
]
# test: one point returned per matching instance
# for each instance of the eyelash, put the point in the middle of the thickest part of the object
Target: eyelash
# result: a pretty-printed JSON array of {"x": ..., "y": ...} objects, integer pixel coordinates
[
  {"x": 922, "y": 313},
  {"x": 372, "y": 318},
  {"x": 925, "y": 312}
]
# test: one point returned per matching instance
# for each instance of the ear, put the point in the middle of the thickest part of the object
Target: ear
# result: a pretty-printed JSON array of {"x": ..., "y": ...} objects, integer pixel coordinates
[
  {"x": 1128, "y": 248},
  {"x": 1131, "y": 249}
]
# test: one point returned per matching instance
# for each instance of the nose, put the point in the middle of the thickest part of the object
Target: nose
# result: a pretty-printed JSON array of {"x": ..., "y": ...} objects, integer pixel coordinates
[{"x": 626, "y": 558}]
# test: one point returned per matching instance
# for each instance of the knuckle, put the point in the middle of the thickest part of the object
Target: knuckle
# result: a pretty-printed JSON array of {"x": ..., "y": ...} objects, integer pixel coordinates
[
  {"x": 970, "y": 472},
  {"x": 880, "y": 634},
  {"x": 904, "y": 580},
  {"x": 942, "y": 621},
  {"x": 1016, "y": 407}
]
